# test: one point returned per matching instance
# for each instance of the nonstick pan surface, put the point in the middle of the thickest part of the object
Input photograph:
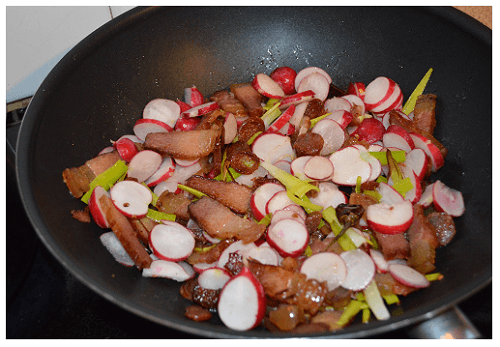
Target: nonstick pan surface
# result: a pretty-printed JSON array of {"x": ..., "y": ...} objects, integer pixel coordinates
[{"x": 98, "y": 90}]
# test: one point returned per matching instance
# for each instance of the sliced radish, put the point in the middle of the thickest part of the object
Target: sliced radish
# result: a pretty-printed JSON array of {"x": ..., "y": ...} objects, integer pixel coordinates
[
  {"x": 376, "y": 167},
  {"x": 426, "y": 199},
  {"x": 447, "y": 199},
  {"x": 415, "y": 193},
  {"x": 379, "y": 260},
  {"x": 296, "y": 99},
  {"x": 332, "y": 133},
  {"x": 164, "y": 172},
  {"x": 187, "y": 123},
  {"x": 201, "y": 109},
  {"x": 296, "y": 119},
  {"x": 393, "y": 102},
  {"x": 163, "y": 110},
  {"x": 297, "y": 167},
  {"x": 342, "y": 117},
  {"x": 213, "y": 278},
  {"x": 432, "y": 151},
  {"x": 171, "y": 241},
  {"x": 131, "y": 198},
  {"x": 272, "y": 147},
  {"x": 396, "y": 136},
  {"x": 360, "y": 269},
  {"x": 146, "y": 126},
  {"x": 309, "y": 70},
  {"x": 355, "y": 101},
  {"x": 289, "y": 237},
  {"x": 284, "y": 165},
  {"x": 185, "y": 162},
  {"x": 261, "y": 196},
  {"x": 144, "y": 164},
  {"x": 168, "y": 185},
  {"x": 285, "y": 77},
  {"x": 283, "y": 214},
  {"x": 418, "y": 161},
  {"x": 318, "y": 168},
  {"x": 248, "y": 180},
  {"x": 378, "y": 91},
  {"x": 325, "y": 267},
  {"x": 316, "y": 82},
  {"x": 282, "y": 119},
  {"x": 288, "y": 129},
  {"x": 115, "y": 247},
  {"x": 338, "y": 104},
  {"x": 329, "y": 195},
  {"x": 131, "y": 137},
  {"x": 297, "y": 209},
  {"x": 235, "y": 247},
  {"x": 179, "y": 272},
  {"x": 266, "y": 86},
  {"x": 193, "y": 97},
  {"x": 184, "y": 106},
  {"x": 230, "y": 128},
  {"x": 388, "y": 194},
  {"x": 390, "y": 219},
  {"x": 278, "y": 201},
  {"x": 126, "y": 149},
  {"x": 357, "y": 88},
  {"x": 200, "y": 267},
  {"x": 370, "y": 130},
  {"x": 212, "y": 240},
  {"x": 105, "y": 150},
  {"x": 264, "y": 254},
  {"x": 408, "y": 276},
  {"x": 97, "y": 212},
  {"x": 348, "y": 166},
  {"x": 242, "y": 302}
]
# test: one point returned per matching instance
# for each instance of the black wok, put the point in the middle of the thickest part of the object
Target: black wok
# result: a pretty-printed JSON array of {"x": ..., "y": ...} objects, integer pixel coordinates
[{"x": 100, "y": 87}]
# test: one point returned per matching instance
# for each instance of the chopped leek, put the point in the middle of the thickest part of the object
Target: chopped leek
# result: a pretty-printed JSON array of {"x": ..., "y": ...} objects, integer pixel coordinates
[
  {"x": 204, "y": 249},
  {"x": 190, "y": 190},
  {"x": 330, "y": 215},
  {"x": 158, "y": 216},
  {"x": 366, "y": 315},
  {"x": 403, "y": 186},
  {"x": 381, "y": 179},
  {"x": 399, "y": 156},
  {"x": 412, "y": 100},
  {"x": 314, "y": 121},
  {"x": 391, "y": 299},
  {"x": 270, "y": 116},
  {"x": 106, "y": 179},
  {"x": 308, "y": 251},
  {"x": 373, "y": 193},
  {"x": 434, "y": 276},
  {"x": 351, "y": 311},
  {"x": 375, "y": 301},
  {"x": 304, "y": 202},
  {"x": 270, "y": 103},
  {"x": 357, "y": 189},
  {"x": 254, "y": 136},
  {"x": 297, "y": 186},
  {"x": 155, "y": 197},
  {"x": 266, "y": 220}
]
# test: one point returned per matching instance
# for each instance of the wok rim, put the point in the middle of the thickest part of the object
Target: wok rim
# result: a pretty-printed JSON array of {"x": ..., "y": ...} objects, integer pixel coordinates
[{"x": 23, "y": 158}]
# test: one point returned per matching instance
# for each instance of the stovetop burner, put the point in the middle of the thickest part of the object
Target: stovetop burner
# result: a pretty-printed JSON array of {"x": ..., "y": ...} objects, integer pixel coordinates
[{"x": 44, "y": 300}]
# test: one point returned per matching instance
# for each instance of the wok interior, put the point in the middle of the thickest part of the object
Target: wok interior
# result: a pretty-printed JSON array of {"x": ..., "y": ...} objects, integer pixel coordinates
[{"x": 99, "y": 89}]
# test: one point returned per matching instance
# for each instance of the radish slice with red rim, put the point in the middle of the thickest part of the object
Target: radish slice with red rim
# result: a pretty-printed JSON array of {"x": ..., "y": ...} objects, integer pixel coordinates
[
  {"x": 408, "y": 276},
  {"x": 131, "y": 198},
  {"x": 272, "y": 147},
  {"x": 329, "y": 195},
  {"x": 171, "y": 241},
  {"x": 126, "y": 148},
  {"x": 297, "y": 209},
  {"x": 426, "y": 199},
  {"x": 297, "y": 167},
  {"x": 289, "y": 237},
  {"x": 390, "y": 219},
  {"x": 264, "y": 254},
  {"x": 115, "y": 247},
  {"x": 201, "y": 110},
  {"x": 163, "y": 110},
  {"x": 143, "y": 127},
  {"x": 332, "y": 133},
  {"x": 186, "y": 162},
  {"x": 379, "y": 260},
  {"x": 432, "y": 151},
  {"x": 200, "y": 267},
  {"x": 360, "y": 269},
  {"x": 326, "y": 266},
  {"x": 164, "y": 172},
  {"x": 97, "y": 212},
  {"x": 242, "y": 302},
  {"x": 230, "y": 128},
  {"x": 447, "y": 199},
  {"x": 235, "y": 247},
  {"x": 348, "y": 165},
  {"x": 388, "y": 194},
  {"x": 355, "y": 101},
  {"x": 316, "y": 82},
  {"x": 283, "y": 214},
  {"x": 378, "y": 91},
  {"x": 266, "y": 86},
  {"x": 337, "y": 104},
  {"x": 261, "y": 196},
  {"x": 296, "y": 99},
  {"x": 193, "y": 97},
  {"x": 318, "y": 168},
  {"x": 144, "y": 164},
  {"x": 278, "y": 201},
  {"x": 179, "y": 272},
  {"x": 284, "y": 165},
  {"x": 214, "y": 278},
  {"x": 309, "y": 70},
  {"x": 342, "y": 117}
]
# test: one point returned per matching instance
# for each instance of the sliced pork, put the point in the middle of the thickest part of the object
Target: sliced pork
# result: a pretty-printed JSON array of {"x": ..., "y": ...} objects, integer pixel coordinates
[
  {"x": 249, "y": 97},
  {"x": 393, "y": 246},
  {"x": 424, "y": 113},
  {"x": 229, "y": 103},
  {"x": 444, "y": 225}
]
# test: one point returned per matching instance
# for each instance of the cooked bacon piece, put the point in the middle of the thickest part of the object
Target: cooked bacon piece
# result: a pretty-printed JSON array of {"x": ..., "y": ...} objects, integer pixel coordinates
[
  {"x": 309, "y": 293},
  {"x": 210, "y": 256},
  {"x": 198, "y": 313},
  {"x": 396, "y": 119},
  {"x": 308, "y": 144},
  {"x": 249, "y": 97},
  {"x": 220, "y": 222},
  {"x": 424, "y": 113},
  {"x": 364, "y": 200},
  {"x": 314, "y": 109},
  {"x": 423, "y": 242},
  {"x": 187, "y": 288},
  {"x": 444, "y": 225},
  {"x": 186, "y": 145},
  {"x": 229, "y": 103},
  {"x": 204, "y": 297},
  {"x": 388, "y": 285},
  {"x": 125, "y": 234},
  {"x": 241, "y": 158},
  {"x": 330, "y": 318},
  {"x": 234, "y": 263},
  {"x": 393, "y": 246},
  {"x": 338, "y": 298},
  {"x": 231, "y": 194},
  {"x": 275, "y": 279},
  {"x": 78, "y": 178},
  {"x": 82, "y": 215},
  {"x": 172, "y": 203},
  {"x": 286, "y": 317},
  {"x": 313, "y": 220},
  {"x": 143, "y": 227},
  {"x": 354, "y": 140},
  {"x": 249, "y": 127}
]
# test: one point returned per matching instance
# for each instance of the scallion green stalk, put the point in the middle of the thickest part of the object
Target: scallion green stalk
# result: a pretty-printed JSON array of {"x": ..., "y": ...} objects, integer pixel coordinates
[
  {"x": 412, "y": 100},
  {"x": 190, "y": 190},
  {"x": 106, "y": 179},
  {"x": 158, "y": 216}
]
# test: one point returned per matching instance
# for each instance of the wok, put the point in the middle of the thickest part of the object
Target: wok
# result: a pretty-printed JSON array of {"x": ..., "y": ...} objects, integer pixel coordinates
[{"x": 98, "y": 90}]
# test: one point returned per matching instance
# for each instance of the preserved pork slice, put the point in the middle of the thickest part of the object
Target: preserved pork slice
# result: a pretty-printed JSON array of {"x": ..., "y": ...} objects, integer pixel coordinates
[
  {"x": 186, "y": 145},
  {"x": 424, "y": 114},
  {"x": 231, "y": 194},
  {"x": 220, "y": 222}
]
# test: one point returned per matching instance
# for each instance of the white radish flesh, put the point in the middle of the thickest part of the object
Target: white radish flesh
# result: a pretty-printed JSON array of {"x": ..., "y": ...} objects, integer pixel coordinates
[
  {"x": 284, "y": 214},
  {"x": 200, "y": 267},
  {"x": 395, "y": 136},
  {"x": 266, "y": 86},
  {"x": 143, "y": 165},
  {"x": 97, "y": 212},
  {"x": 242, "y": 302},
  {"x": 316, "y": 82},
  {"x": 379, "y": 260},
  {"x": 272, "y": 147},
  {"x": 342, "y": 117},
  {"x": 326, "y": 266},
  {"x": 348, "y": 166},
  {"x": 261, "y": 196},
  {"x": 447, "y": 199},
  {"x": 284, "y": 165},
  {"x": 114, "y": 246},
  {"x": 193, "y": 97},
  {"x": 408, "y": 276},
  {"x": 171, "y": 241},
  {"x": 355, "y": 101},
  {"x": 179, "y": 272},
  {"x": 230, "y": 128},
  {"x": 131, "y": 198},
  {"x": 297, "y": 209},
  {"x": 390, "y": 219},
  {"x": 214, "y": 278},
  {"x": 264, "y": 254},
  {"x": 318, "y": 168},
  {"x": 378, "y": 91},
  {"x": 235, "y": 247},
  {"x": 432, "y": 151},
  {"x": 337, "y": 104},
  {"x": 389, "y": 195},
  {"x": 143, "y": 127},
  {"x": 426, "y": 199},
  {"x": 164, "y": 172},
  {"x": 288, "y": 237},
  {"x": 360, "y": 269},
  {"x": 297, "y": 167},
  {"x": 329, "y": 195},
  {"x": 418, "y": 161},
  {"x": 332, "y": 133},
  {"x": 309, "y": 70},
  {"x": 201, "y": 109},
  {"x": 163, "y": 110},
  {"x": 278, "y": 201}
]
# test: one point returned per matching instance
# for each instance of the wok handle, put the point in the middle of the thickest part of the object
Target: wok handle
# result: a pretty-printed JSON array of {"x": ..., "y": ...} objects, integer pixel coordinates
[{"x": 451, "y": 324}]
